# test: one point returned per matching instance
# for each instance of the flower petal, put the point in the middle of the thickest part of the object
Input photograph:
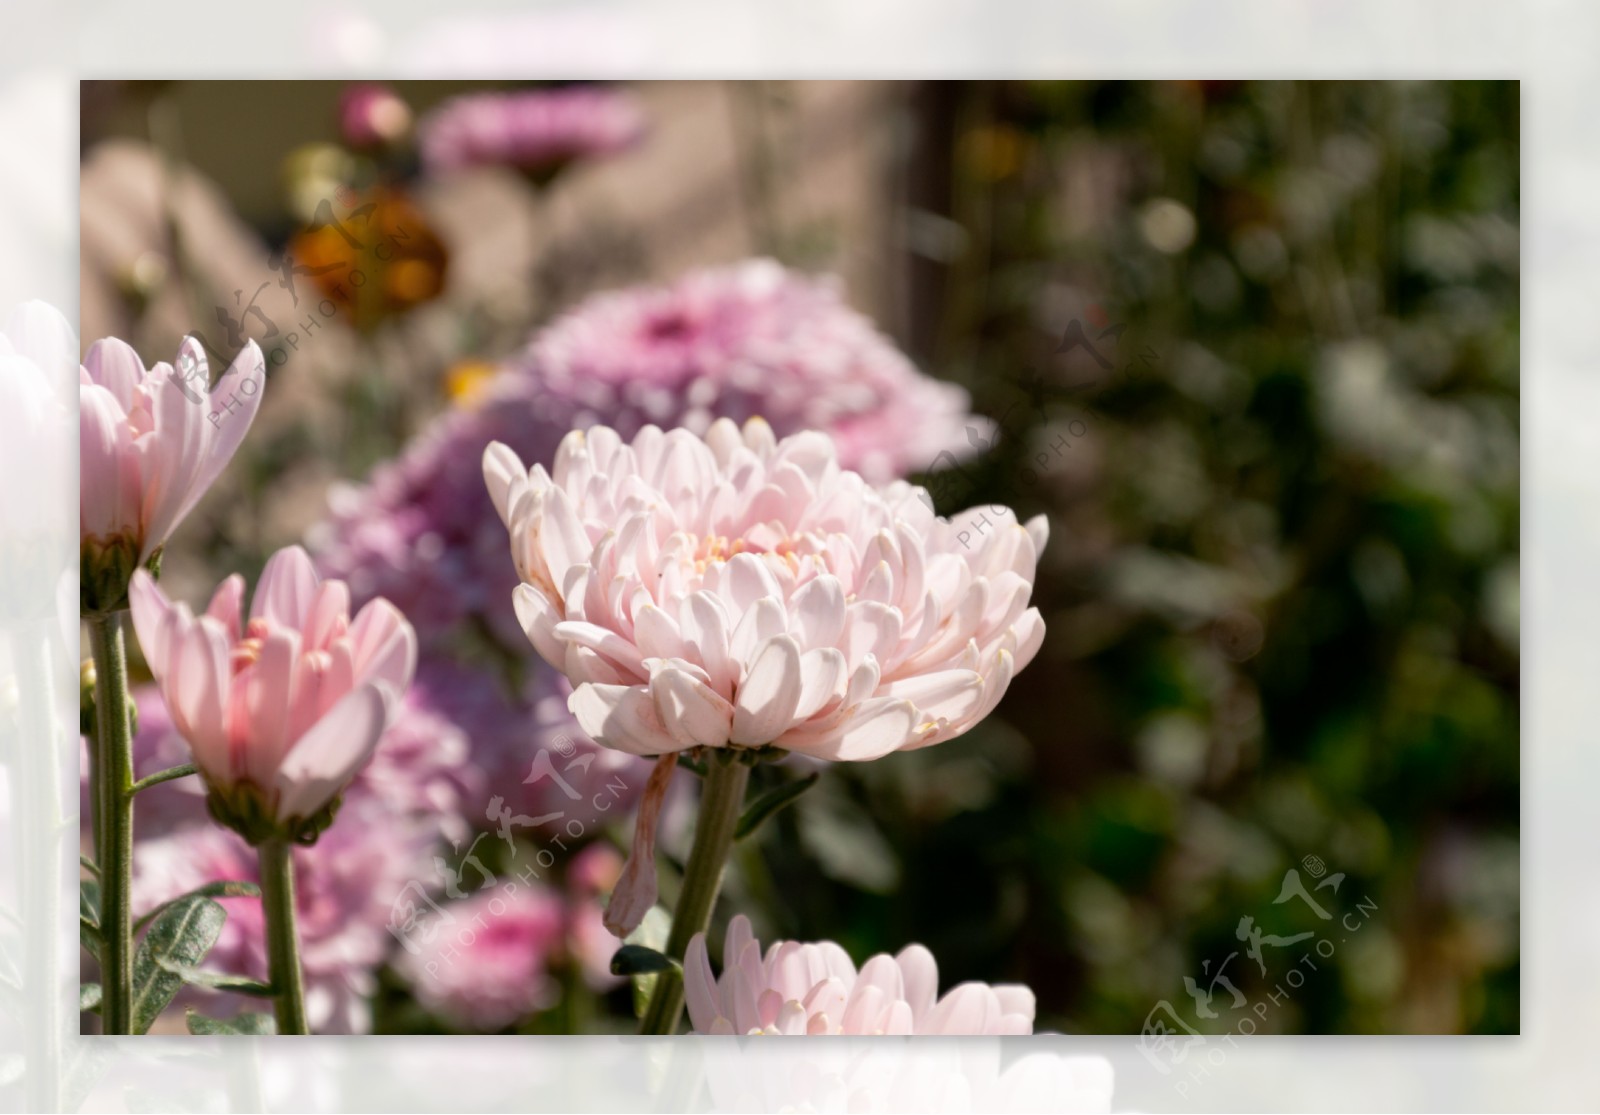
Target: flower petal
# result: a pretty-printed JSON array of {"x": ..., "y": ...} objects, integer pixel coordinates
[
  {"x": 322, "y": 762},
  {"x": 287, "y": 588},
  {"x": 690, "y": 710},
  {"x": 621, "y": 716},
  {"x": 767, "y": 699}
]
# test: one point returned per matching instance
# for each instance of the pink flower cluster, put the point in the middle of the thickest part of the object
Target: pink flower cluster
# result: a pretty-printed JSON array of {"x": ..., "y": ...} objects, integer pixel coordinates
[{"x": 531, "y": 130}]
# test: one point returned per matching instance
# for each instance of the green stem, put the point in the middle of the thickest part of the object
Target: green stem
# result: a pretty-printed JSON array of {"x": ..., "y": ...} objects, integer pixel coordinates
[
  {"x": 113, "y": 783},
  {"x": 720, "y": 806},
  {"x": 283, "y": 941}
]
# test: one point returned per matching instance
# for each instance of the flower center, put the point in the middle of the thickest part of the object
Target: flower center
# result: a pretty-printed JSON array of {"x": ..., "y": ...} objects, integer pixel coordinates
[{"x": 246, "y": 652}]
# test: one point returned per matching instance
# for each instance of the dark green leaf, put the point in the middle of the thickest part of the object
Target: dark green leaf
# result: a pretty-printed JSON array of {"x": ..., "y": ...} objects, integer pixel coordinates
[
  {"x": 89, "y": 996},
  {"x": 250, "y": 1024},
  {"x": 651, "y": 935},
  {"x": 217, "y": 981},
  {"x": 638, "y": 960},
  {"x": 772, "y": 801},
  {"x": 89, "y": 916},
  {"x": 183, "y": 932},
  {"x": 229, "y": 888},
  {"x": 89, "y": 902}
]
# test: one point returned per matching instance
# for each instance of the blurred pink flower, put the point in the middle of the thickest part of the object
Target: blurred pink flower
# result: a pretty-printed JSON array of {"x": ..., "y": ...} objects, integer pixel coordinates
[
  {"x": 151, "y": 441},
  {"x": 593, "y": 873},
  {"x": 343, "y": 893},
  {"x": 746, "y": 340},
  {"x": 372, "y": 115},
  {"x": 280, "y": 714},
  {"x": 797, "y": 989},
  {"x": 489, "y": 966},
  {"x": 738, "y": 591},
  {"x": 531, "y": 130}
]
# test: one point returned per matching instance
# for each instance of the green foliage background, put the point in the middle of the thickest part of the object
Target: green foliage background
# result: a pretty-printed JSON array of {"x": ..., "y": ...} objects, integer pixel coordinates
[{"x": 1281, "y": 589}]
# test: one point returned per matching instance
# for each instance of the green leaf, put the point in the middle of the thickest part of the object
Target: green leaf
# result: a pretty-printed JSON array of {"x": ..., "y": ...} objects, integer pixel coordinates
[
  {"x": 652, "y": 936},
  {"x": 88, "y": 865},
  {"x": 217, "y": 981},
  {"x": 772, "y": 801},
  {"x": 89, "y": 996},
  {"x": 690, "y": 764},
  {"x": 638, "y": 960},
  {"x": 89, "y": 938},
  {"x": 89, "y": 916},
  {"x": 229, "y": 888},
  {"x": 183, "y": 932},
  {"x": 247, "y": 1023},
  {"x": 89, "y": 903}
]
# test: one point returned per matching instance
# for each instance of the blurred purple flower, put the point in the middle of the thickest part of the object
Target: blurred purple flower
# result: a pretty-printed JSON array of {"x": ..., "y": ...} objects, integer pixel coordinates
[
  {"x": 507, "y": 735},
  {"x": 423, "y": 533},
  {"x": 538, "y": 130},
  {"x": 489, "y": 967}
]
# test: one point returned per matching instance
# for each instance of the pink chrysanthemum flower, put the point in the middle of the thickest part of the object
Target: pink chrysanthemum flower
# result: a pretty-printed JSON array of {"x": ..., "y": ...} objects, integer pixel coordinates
[
  {"x": 283, "y": 709},
  {"x": 797, "y": 989},
  {"x": 151, "y": 442},
  {"x": 536, "y": 130},
  {"x": 742, "y": 592}
]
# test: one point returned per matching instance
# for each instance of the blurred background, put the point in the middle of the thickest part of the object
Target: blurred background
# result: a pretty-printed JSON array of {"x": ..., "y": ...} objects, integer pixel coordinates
[{"x": 1251, "y": 348}]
